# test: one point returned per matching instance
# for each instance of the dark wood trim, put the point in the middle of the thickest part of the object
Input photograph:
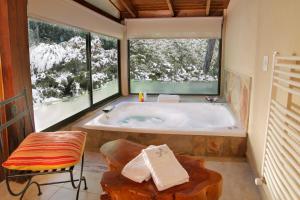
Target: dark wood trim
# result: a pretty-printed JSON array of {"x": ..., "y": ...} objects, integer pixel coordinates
[
  {"x": 89, "y": 66},
  {"x": 128, "y": 66},
  {"x": 119, "y": 67},
  {"x": 171, "y": 7},
  {"x": 97, "y": 10}
]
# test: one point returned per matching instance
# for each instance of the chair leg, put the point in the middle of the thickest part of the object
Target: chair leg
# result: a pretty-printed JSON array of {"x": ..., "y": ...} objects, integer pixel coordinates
[
  {"x": 23, "y": 191},
  {"x": 27, "y": 186},
  {"x": 30, "y": 182},
  {"x": 81, "y": 178}
]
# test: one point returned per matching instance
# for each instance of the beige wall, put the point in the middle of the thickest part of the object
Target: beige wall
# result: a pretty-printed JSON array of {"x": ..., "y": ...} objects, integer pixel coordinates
[
  {"x": 279, "y": 30},
  {"x": 71, "y": 13},
  {"x": 240, "y": 28},
  {"x": 274, "y": 26}
]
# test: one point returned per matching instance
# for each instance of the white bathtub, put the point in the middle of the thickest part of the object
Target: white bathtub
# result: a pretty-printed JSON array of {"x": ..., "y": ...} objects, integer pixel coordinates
[{"x": 170, "y": 118}]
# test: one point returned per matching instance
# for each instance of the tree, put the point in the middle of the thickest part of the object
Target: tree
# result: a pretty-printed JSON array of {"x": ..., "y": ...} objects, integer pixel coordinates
[{"x": 209, "y": 55}]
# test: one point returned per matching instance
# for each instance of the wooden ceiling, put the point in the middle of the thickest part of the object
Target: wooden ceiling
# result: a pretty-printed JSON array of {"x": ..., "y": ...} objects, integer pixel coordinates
[
  {"x": 169, "y": 8},
  {"x": 164, "y": 8}
]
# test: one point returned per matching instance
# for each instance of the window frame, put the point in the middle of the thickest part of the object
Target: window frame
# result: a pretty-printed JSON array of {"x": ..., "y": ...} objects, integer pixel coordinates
[
  {"x": 188, "y": 94},
  {"x": 92, "y": 105}
]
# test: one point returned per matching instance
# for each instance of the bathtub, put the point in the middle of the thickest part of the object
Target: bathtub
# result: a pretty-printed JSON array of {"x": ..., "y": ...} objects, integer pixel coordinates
[
  {"x": 199, "y": 129},
  {"x": 214, "y": 119}
]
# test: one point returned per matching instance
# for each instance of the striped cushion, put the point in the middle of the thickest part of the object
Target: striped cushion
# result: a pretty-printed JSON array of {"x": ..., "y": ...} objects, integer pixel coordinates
[{"x": 47, "y": 150}]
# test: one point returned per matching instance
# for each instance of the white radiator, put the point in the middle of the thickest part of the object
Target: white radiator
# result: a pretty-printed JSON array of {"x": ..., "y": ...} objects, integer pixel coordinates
[{"x": 281, "y": 167}]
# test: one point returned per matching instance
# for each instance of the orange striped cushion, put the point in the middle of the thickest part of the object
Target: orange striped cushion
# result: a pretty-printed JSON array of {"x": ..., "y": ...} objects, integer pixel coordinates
[{"x": 47, "y": 150}]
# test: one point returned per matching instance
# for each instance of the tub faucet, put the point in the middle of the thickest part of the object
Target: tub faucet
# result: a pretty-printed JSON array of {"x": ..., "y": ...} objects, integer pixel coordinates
[{"x": 108, "y": 109}]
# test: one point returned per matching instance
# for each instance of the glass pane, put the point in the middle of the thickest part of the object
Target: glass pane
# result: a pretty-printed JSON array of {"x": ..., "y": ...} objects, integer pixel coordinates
[
  {"x": 58, "y": 72},
  {"x": 104, "y": 66},
  {"x": 174, "y": 66}
]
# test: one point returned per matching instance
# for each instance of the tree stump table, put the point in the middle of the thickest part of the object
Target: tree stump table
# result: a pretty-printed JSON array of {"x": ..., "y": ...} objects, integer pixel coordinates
[{"x": 204, "y": 184}]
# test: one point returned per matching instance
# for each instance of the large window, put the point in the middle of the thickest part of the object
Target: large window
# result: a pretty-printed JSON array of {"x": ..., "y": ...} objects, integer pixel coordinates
[
  {"x": 105, "y": 64},
  {"x": 60, "y": 71},
  {"x": 174, "y": 66}
]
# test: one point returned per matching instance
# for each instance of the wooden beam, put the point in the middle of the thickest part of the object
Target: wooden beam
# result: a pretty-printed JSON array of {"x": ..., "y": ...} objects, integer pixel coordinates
[
  {"x": 129, "y": 7},
  {"x": 154, "y": 13},
  {"x": 226, "y": 4},
  {"x": 179, "y": 13},
  {"x": 208, "y": 2},
  {"x": 171, "y": 7},
  {"x": 97, "y": 10},
  {"x": 191, "y": 13}
]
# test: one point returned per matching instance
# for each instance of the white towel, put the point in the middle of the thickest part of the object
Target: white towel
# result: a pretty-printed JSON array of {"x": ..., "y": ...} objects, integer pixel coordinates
[
  {"x": 136, "y": 170},
  {"x": 165, "y": 169},
  {"x": 166, "y": 98}
]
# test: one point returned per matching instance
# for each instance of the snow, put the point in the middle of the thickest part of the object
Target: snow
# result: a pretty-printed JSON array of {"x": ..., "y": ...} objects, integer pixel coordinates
[
  {"x": 175, "y": 60},
  {"x": 51, "y": 79},
  {"x": 44, "y": 56},
  {"x": 59, "y": 69}
]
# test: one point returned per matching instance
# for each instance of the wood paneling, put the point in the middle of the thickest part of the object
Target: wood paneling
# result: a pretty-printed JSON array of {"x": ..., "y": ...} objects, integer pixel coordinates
[
  {"x": 14, "y": 49},
  {"x": 170, "y": 8}
]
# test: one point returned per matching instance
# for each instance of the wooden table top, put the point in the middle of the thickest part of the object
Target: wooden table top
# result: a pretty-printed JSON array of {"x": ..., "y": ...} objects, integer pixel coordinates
[{"x": 204, "y": 183}]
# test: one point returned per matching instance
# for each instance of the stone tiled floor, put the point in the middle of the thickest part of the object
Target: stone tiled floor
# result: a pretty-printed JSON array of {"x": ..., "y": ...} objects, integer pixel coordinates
[{"x": 238, "y": 182}]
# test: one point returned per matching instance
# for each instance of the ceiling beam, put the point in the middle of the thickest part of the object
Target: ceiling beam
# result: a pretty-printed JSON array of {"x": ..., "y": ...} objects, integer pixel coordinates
[
  {"x": 171, "y": 7},
  {"x": 226, "y": 4},
  {"x": 97, "y": 10},
  {"x": 208, "y": 2},
  {"x": 129, "y": 7},
  {"x": 179, "y": 13},
  {"x": 191, "y": 13}
]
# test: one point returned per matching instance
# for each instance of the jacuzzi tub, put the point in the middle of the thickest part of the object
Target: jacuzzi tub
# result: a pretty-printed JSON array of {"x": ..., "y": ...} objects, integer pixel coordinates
[{"x": 214, "y": 119}]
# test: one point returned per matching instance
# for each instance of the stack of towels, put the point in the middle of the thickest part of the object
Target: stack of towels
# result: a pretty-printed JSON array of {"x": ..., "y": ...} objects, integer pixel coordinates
[{"x": 158, "y": 162}]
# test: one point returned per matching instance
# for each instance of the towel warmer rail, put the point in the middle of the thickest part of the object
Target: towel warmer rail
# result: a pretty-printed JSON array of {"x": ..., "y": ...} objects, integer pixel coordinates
[{"x": 282, "y": 146}]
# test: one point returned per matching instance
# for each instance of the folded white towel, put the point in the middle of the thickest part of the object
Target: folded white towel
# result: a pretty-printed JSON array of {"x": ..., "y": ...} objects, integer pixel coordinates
[
  {"x": 165, "y": 169},
  {"x": 166, "y": 98},
  {"x": 136, "y": 170}
]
